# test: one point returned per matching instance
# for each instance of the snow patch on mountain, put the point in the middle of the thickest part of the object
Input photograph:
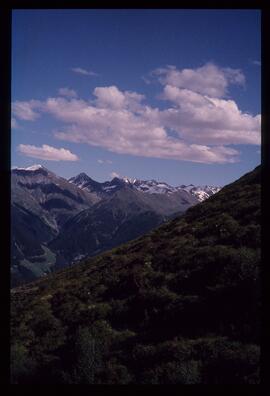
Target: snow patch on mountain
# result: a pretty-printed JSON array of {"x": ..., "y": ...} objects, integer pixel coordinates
[
  {"x": 108, "y": 188},
  {"x": 201, "y": 192},
  {"x": 84, "y": 182},
  {"x": 30, "y": 168}
]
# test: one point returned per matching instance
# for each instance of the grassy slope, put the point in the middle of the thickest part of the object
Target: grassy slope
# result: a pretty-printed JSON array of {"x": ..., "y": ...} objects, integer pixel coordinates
[{"x": 179, "y": 305}]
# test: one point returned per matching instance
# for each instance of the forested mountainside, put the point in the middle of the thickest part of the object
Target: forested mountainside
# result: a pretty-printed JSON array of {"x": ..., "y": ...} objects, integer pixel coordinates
[{"x": 180, "y": 305}]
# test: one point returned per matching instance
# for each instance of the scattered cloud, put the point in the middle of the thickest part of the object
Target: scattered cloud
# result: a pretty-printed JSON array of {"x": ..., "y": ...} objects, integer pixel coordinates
[
  {"x": 69, "y": 93},
  {"x": 206, "y": 80},
  {"x": 25, "y": 110},
  {"x": 114, "y": 174},
  {"x": 112, "y": 98},
  {"x": 109, "y": 97},
  {"x": 101, "y": 161},
  {"x": 256, "y": 63},
  {"x": 205, "y": 120},
  {"x": 146, "y": 80},
  {"x": 84, "y": 72},
  {"x": 199, "y": 124},
  {"x": 46, "y": 152},
  {"x": 123, "y": 131}
]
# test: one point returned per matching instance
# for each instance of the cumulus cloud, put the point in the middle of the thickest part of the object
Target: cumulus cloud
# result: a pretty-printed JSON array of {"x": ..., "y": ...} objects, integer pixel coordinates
[
  {"x": 109, "y": 97},
  {"x": 46, "y": 152},
  {"x": 207, "y": 80},
  {"x": 142, "y": 135},
  {"x": 206, "y": 120},
  {"x": 69, "y": 93},
  {"x": 112, "y": 98},
  {"x": 199, "y": 124},
  {"x": 25, "y": 110},
  {"x": 84, "y": 72}
]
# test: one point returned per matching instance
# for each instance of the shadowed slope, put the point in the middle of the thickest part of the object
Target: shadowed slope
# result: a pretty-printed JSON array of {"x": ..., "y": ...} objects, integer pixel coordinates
[{"x": 179, "y": 305}]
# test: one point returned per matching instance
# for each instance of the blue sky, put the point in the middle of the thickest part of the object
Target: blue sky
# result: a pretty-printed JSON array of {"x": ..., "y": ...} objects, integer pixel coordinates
[{"x": 172, "y": 95}]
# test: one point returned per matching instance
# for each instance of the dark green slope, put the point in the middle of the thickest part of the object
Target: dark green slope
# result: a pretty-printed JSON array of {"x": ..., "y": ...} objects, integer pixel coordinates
[{"x": 180, "y": 305}]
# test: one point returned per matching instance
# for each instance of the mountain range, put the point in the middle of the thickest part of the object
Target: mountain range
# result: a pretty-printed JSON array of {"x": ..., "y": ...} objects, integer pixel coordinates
[
  {"x": 147, "y": 186},
  {"x": 56, "y": 222},
  {"x": 179, "y": 305}
]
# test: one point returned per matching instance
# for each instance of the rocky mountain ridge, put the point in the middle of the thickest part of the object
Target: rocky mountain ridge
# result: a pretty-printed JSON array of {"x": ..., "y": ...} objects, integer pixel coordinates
[{"x": 56, "y": 221}]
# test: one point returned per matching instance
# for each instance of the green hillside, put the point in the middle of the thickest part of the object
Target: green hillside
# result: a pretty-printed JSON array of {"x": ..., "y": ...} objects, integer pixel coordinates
[{"x": 180, "y": 305}]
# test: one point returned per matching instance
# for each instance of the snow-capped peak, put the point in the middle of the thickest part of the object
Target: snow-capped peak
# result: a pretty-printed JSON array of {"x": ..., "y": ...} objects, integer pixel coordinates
[
  {"x": 201, "y": 192},
  {"x": 156, "y": 187},
  {"x": 35, "y": 167},
  {"x": 144, "y": 186},
  {"x": 129, "y": 180},
  {"x": 30, "y": 168},
  {"x": 80, "y": 180}
]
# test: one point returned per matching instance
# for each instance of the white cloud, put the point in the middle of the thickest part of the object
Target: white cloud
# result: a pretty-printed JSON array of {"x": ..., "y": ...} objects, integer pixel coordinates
[
  {"x": 112, "y": 98},
  {"x": 199, "y": 123},
  {"x": 101, "y": 161},
  {"x": 125, "y": 133},
  {"x": 202, "y": 119},
  {"x": 114, "y": 174},
  {"x": 109, "y": 97},
  {"x": 84, "y": 72},
  {"x": 207, "y": 80},
  {"x": 25, "y": 110},
  {"x": 46, "y": 152},
  {"x": 69, "y": 93}
]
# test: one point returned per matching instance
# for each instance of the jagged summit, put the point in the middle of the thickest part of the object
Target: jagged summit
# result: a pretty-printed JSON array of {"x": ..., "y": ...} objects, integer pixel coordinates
[
  {"x": 81, "y": 176},
  {"x": 80, "y": 180},
  {"x": 146, "y": 186},
  {"x": 85, "y": 182}
]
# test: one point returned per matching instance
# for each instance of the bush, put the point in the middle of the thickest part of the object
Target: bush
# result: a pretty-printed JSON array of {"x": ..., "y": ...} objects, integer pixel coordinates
[
  {"x": 187, "y": 372},
  {"x": 91, "y": 346},
  {"x": 22, "y": 366}
]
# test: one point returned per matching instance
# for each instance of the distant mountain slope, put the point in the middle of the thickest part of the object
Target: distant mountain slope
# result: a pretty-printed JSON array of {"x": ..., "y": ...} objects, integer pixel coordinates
[
  {"x": 180, "y": 305},
  {"x": 80, "y": 214},
  {"x": 123, "y": 216},
  {"x": 146, "y": 186},
  {"x": 29, "y": 233},
  {"x": 41, "y": 204},
  {"x": 51, "y": 197}
]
